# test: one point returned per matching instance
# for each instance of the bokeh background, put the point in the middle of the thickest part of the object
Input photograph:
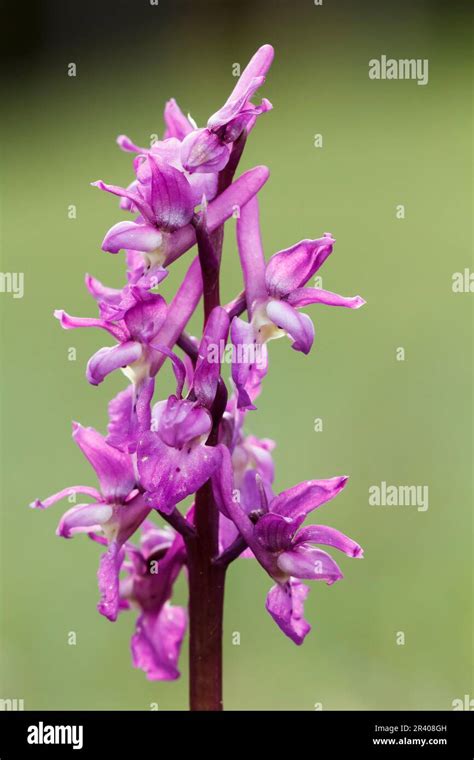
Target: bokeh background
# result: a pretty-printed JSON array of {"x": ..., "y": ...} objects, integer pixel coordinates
[{"x": 403, "y": 422}]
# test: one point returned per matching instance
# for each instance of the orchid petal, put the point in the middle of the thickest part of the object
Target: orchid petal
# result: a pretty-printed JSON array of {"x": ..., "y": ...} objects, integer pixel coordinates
[
  {"x": 101, "y": 292},
  {"x": 156, "y": 643},
  {"x": 304, "y": 561},
  {"x": 177, "y": 125},
  {"x": 180, "y": 421},
  {"x": 145, "y": 319},
  {"x": 307, "y": 296},
  {"x": 258, "y": 66},
  {"x": 285, "y": 603},
  {"x": 135, "y": 199},
  {"x": 244, "y": 342},
  {"x": 251, "y": 255},
  {"x": 203, "y": 151},
  {"x": 113, "y": 467},
  {"x": 299, "y": 501},
  {"x": 107, "y": 359},
  {"x": 108, "y": 579},
  {"x": 169, "y": 475},
  {"x": 139, "y": 237},
  {"x": 211, "y": 351},
  {"x": 64, "y": 494},
  {"x": 128, "y": 145},
  {"x": 83, "y": 518},
  {"x": 71, "y": 323},
  {"x": 298, "y": 327},
  {"x": 293, "y": 267},
  {"x": 275, "y": 532},
  {"x": 322, "y": 534},
  {"x": 168, "y": 193}
]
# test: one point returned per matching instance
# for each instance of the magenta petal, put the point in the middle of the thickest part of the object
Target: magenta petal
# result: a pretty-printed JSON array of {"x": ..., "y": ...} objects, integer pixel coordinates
[
  {"x": 227, "y": 532},
  {"x": 64, "y": 494},
  {"x": 285, "y": 603},
  {"x": 133, "y": 197},
  {"x": 298, "y": 327},
  {"x": 107, "y": 359},
  {"x": 234, "y": 105},
  {"x": 177, "y": 125},
  {"x": 322, "y": 534},
  {"x": 101, "y": 292},
  {"x": 169, "y": 474},
  {"x": 120, "y": 415},
  {"x": 223, "y": 489},
  {"x": 129, "y": 415},
  {"x": 275, "y": 532},
  {"x": 179, "y": 421},
  {"x": 128, "y": 145},
  {"x": 129, "y": 516},
  {"x": 299, "y": 501},
  {"x": 139, "y": 237},
  {"x": 156, "y": 643},
  {"x": 251, "y": 494},
  {"x": 258, "y": 66},
  {"x": 108, "y": 579},
  {"x": 83, "y": 518},
  {"x": 293, "y": 267},
  {"x": 307, "y": 296},
  {"x": 113, "y": 467},
  {"x": 304, "y": 561},
  {"x": 244, "y": 354},
  {"x": 71, "y": 323},
  {"x": 145, "y": 319},
  {"x": 211, "y": 352},
  {"x": 169, "y": 194},
  {"x": 203, "y": 151},
  {"x": 250, "y": 248},
  {"x": 143, "y": 395}
]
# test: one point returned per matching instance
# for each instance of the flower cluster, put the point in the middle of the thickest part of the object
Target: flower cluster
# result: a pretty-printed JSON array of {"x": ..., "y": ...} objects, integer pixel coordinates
[{"x": 158, "y": 451}]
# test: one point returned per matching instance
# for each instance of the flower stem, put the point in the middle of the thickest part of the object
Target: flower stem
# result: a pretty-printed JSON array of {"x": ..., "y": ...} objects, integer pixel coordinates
[
  {"x": 206, "y": 578},
  {"x": 206, "y": 607}
]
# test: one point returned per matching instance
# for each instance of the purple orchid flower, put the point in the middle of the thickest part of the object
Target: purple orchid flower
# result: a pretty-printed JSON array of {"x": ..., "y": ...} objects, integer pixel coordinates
[
  {"x": 207, "y": 150},
  {"x": 118, "y": 510},
  {"x": 151, "y": 572},
  {"x": 162, "y": 247},
  {"x": 194, "y": 444},
  {"x": 173, "y": 458},
  {"x": 136, "y": 319},
  {"x": 272, "y": 532},
  {"x": 161, "y": 195},
  {"x": 275, "y": 291},
  {"x": 169, "y": 151}
]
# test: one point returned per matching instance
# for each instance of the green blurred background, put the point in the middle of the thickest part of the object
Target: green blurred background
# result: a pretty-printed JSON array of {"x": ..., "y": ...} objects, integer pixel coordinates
[{"x": 384, "y": 144}]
